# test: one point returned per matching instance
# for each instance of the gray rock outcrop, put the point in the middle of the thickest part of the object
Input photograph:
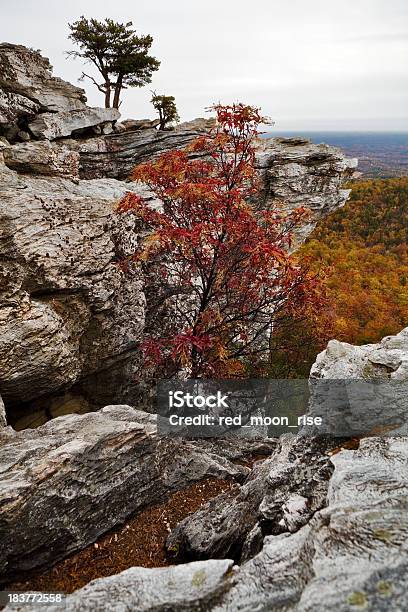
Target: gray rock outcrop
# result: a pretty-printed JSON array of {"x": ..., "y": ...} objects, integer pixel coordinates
[
  {"x": 72, "y": 479},
  {"x": 267, "y": 503},
  {"x": 296, "y": 173},
  {"x": 117, "y": 154},
  {"x": 349, "y": 554},
  {"x": 61, "y": 286},
  {"x": 352, "y": 555},
  {"x": 70, "y": 319},
  {"x": 187, "y": 588},
  {"x": 363, "y": 390},
  {"x": 387, "y": 359},
  {"x": 50, "y": 126},
  {"x": 281, "y": 495},
  {"x": 27, "y": 88},
  {"x": 42, "y": 158}
]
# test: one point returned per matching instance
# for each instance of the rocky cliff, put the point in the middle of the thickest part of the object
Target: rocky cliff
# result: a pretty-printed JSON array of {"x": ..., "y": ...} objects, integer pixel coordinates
[
  {"x": 316, "y": 526},
  {"x": 70, "y": 320}
]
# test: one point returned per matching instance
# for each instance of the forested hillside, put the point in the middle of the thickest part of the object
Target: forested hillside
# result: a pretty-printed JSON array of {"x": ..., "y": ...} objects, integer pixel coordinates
[
  {"x": 360, "y": 255},
  {"x": 363, "y": 247}
]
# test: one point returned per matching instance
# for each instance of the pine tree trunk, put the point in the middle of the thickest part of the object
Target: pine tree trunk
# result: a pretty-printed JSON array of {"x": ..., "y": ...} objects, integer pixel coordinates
[
  {"x": 107, "y": 95},
  {"x": 162, "y": 121},
  {"x": 118, "y": 89}
]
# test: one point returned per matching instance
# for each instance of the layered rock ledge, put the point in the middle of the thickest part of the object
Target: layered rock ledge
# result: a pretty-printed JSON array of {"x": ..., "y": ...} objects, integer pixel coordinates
[
  {"x": 346, "y": 552},
  {"x": 337, "y": 521},
  {"x": 72, "y": 479}
]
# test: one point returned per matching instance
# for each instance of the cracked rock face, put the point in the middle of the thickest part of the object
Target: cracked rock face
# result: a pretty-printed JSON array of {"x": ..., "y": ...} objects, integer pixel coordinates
[
  {"x": 49, "y": 126},
  {"x": 352, "y": 555},
  {"x": 117, "y": 154},
  {"x": 64, "y": 302},
  {"x": 67, "y": 482},
  {"x": 281, "y": 494},
  {"x": 296, "y": 173},
  {"x": 42, "y": 158},
  {"x": 387, "y": 359},
  {"x": 28, "y": 87}
]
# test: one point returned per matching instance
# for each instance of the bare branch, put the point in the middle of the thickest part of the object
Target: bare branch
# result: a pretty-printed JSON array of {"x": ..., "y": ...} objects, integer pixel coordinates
[{"x": 101, "y": 87}]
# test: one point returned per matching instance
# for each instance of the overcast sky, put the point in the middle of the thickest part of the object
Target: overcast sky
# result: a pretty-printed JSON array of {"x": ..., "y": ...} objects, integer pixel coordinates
[{"x": 310, "y": 64}]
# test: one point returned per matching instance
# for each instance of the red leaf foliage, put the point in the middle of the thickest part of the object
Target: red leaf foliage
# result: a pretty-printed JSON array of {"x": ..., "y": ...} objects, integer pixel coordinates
[{"x": 223, "y": 260}]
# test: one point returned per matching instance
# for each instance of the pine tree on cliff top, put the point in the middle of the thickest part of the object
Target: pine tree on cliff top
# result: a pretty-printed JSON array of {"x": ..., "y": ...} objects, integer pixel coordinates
[{"x": 119, "y": 54}]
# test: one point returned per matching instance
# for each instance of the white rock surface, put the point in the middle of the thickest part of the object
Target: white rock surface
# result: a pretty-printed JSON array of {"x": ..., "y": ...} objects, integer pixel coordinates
[
  {"x": 388, "y": 358},
  {"x": 189, "y": 588},
  {"x": 42, "y": 158},
  {"x": 117, "y": 154},
  {"x": 49, "y": 126},
  {"x": 297, "y": 173},
  {"x": 28, "y": 87},
  {"x": 351, "y": 556},
  {"x": 74, "y": 478},
  {"x": 62, "y": 288}
]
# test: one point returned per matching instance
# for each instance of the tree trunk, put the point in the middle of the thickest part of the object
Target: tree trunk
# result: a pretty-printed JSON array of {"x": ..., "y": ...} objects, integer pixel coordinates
[
  {"x": 161, "y": 118},
  {"x": 107, "y": 95},
  {"x": 118, "y": 89}
]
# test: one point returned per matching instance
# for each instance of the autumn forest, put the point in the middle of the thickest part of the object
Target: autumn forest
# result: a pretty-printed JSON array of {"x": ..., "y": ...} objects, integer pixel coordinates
[{"x": 363, "y": 250}]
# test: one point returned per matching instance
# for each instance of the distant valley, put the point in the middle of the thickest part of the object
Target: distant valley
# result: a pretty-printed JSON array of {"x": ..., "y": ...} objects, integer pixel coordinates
[{"x": 380, "y": 154}]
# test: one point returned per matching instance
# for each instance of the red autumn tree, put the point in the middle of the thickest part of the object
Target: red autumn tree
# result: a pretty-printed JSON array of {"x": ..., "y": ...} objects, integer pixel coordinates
[{"x": 222, "y": 258}]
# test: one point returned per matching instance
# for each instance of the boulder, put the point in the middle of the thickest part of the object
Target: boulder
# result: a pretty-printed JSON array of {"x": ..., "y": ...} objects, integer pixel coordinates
[
  {"x": 70, "y": 480},
  {"x": 12, "y": 107},
  {"x": 115, "y": 155},
  {"x": 8, "y": 178},
  {"x": 296, "y": 172},
  {"x": 49, "y": 126},
  {"x": 140, "y": 124},
  {"x": 43, "y": 158},
  {"x": 107, "y": 128},
  {"x": 27, "y": 86},
  {"x": 187, "y": 588},
  {"x": 200, "y": 124},
  {"x": 268, "y": 503},
  {"x": 39, "y": 345},
  {"x": 23, "y": 136},
  {"x": 387, "y": 359}
]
